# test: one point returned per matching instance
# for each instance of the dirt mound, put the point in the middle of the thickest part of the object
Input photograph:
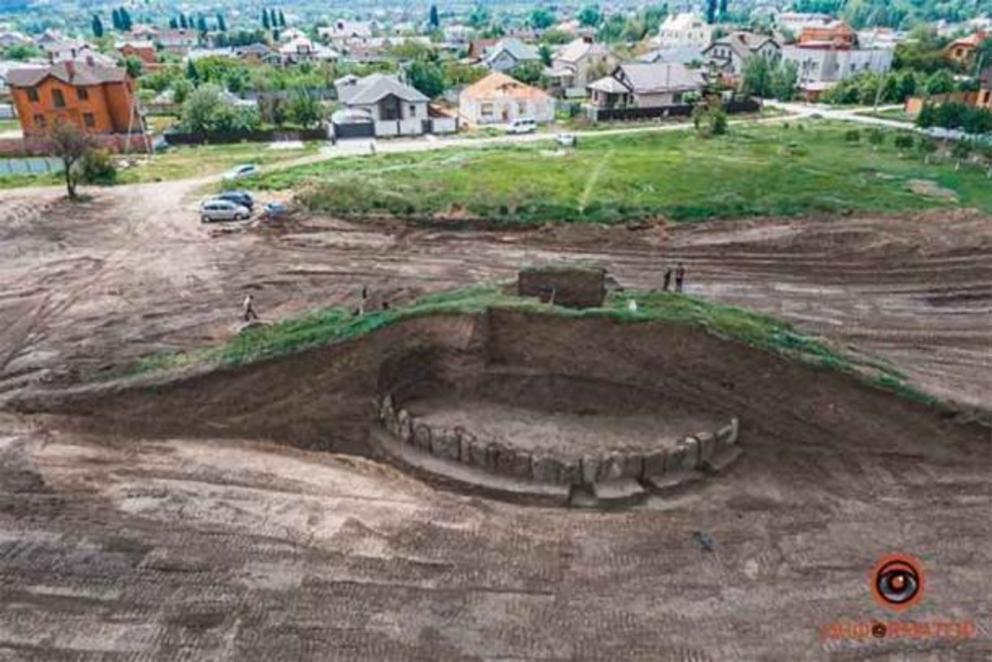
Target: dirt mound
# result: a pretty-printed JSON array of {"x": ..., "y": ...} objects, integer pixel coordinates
[{"x": 326, "y": 398}]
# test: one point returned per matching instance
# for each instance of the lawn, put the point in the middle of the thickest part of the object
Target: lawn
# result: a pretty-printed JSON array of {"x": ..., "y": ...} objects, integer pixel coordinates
[
  {"x": 894, "y": 114},
  {"x": 202, "y": 160},
  {"x": 755, "y": 170},
  {"x": 332, "y": 325}
]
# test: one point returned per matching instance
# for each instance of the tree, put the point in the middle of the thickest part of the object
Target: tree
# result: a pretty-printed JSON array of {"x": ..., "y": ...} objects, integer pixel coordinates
[
  {"x": 723, "y": 10},
  {"x": 545, "y": 52},
  {"x": 200, "y": 109},
  {"x": 757, "y": 77},
  {"x": 273, "y": 18},
  {"x": 126, "y": 23},
  {"x": 201, "y": 24},
  {"x": 221, "y": 23},
  {"x": 304, "y": 109},
  {"x": 115, "y": 18},
  {"x": 265, "y": 20},
  {"x": 70, "y": 144},
  {"x": 97, "y": 25},
  {"x": 711, "y": 11},
  {"x": 282, "y": 19},
  {"x": 589, "y": 16},
  {"x": 541, "y": 19},
  {"x": 133, "y": 66},
  {"x": 531, "y": 73},
  {"x": 181, "y": 89},
  {"x": 785, "y": 78},
  {"x": 478, "y": 18},
  {"x": 940, "y": 82},
  {"x": 191, "y": 72},
  {"x": 433, "y": 20},
  {"x": 173, "y": 23},
  {"x": 183, "y": 23},
  {"x": 427, "y": 77}
]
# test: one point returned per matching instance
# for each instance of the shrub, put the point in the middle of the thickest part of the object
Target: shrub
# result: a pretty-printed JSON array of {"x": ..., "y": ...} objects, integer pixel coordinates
[
  {"x": 97, "y": 167},
  {"x": 853, "y": 136},
  {"x": 904, "y": 141},
  {"x": 876, "y": 137}
]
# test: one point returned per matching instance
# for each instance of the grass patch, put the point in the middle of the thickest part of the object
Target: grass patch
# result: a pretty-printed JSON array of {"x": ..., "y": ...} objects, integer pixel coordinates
[
  {"x": 756, "y": 170},
  {"x": 201, "y": 160},
  {"x": 332, "y": 325}
]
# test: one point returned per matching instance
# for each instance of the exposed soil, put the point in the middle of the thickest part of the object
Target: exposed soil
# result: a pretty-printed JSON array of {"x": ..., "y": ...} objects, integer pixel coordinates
[{"x": 167, "y": 529}]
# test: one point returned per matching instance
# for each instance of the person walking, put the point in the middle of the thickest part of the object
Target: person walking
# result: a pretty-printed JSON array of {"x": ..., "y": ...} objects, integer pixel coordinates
[
  {"x": 249, "y": 308},
  {"x": 679, "y": 276},
  {"x": 668, "y": 279}
]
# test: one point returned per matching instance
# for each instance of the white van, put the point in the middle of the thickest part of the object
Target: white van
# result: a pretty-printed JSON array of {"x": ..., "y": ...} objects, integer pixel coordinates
[{"x": 522, "y": 125}]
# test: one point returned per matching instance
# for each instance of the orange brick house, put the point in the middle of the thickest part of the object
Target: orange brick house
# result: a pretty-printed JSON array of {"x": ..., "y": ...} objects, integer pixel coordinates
[
  {"x": 838, "y": 33},
  {"x": 95, "y": 97},
  {"x": 963, "y": 50},
  {"x": 143, "y": 50}
]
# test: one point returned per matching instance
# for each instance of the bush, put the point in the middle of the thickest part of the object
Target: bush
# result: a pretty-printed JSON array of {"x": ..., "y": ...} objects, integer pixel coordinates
[
  {"x": 876, "y": 137},
  {"x": 853, "y": 136},
  {"x": 97, "y": 167},
  {"x": 904, "y": 141}
]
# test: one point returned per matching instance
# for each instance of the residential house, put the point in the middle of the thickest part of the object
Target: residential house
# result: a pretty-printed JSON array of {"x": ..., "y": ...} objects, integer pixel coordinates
[
  {"x": 499, "y": 99},
  {"x": 390, "y": 106},
  {"x": 301, "y": 49},
  {"x": 821, "y": 66},
  {"x": 795, "y": 22},
  {"x": 980, "y": 98},
  {"x": 142, "y": 32},
  {"x": 97, "y": 98},
  {"x": 880, "y": 38},
  {"x": 341, "y": 33},
  {"x": 509, "y": 53},
  {"x": 478, "y": 48},
  {"x": 685, "y": 29},
  {"x": 10, "y": 38},
  {"x": 964, "y": 50},
  {"x": 837, "y": 33},
  {"x": 75, "y": 49},
  {"x": 578, "y": 63},
  {"x": 691, "y": 56},
  {"x": 143, "y": 50},
  {"x": 178, "y": 41},
  {"x": 5, "y": 67},
  {"x": 256, "y": 53},
  {"x": 729, "y": 54},
  {"x": 648, "y": 90}
]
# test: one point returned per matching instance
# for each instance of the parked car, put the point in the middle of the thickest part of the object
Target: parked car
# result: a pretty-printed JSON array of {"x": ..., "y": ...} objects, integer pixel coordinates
[
  {"x": 241, "y": 171},
  {"x": 222, "y": 210},
  {"x": 522, "y": 125},
  {"x": 242, "y": 198},
  {"x": 274, "y": 209},
  {"x": 566, "y": 139}
]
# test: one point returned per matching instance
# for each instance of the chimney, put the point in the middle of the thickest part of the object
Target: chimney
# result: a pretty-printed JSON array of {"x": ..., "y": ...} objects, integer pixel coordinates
[
  {"x": 70, "y": 69},
  {"x": 90, "y": 61}
]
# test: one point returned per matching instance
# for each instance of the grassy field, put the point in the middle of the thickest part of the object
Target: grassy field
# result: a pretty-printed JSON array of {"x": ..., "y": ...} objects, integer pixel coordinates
[
  {"x": 756, "y": 170},
  {"x": 895, "y": 114},
  {"x": 198, "y": 161},
  {"x": 337, "y": 324}
]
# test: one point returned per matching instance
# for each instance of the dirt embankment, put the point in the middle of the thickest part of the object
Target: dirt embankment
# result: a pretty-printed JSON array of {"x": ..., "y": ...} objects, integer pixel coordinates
[{"x": 325, "y": 398}]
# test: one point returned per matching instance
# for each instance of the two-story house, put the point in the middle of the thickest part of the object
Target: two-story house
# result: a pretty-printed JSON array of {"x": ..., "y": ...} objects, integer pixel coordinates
[
  {"x": 392, "y": 107},
  {"x": 685, "y": 29},
  {"x": 509, "y": 53},
  {"x": 578, "y": 63},
  {"x": 97, "y": 98},
  {"x": 729, "y": 54}
]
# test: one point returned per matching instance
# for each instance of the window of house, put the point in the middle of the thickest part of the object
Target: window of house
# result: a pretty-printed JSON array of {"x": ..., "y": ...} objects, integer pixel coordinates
[
  {"x": 82, "y": 93},
  {"x": 487, "y": 109},
  {"x": 58, "y": 99},
  {"x": 521, "y": 107},
  {"x": 89, "y": 120},
  {"x": 413, "y": 109},
  {"x": 39, "y": 121},
  {"x": 33, "y": 94}
]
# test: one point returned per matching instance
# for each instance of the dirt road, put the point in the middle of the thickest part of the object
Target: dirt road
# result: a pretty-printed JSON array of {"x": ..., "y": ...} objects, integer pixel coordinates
[{"x": 90, "y": 287}]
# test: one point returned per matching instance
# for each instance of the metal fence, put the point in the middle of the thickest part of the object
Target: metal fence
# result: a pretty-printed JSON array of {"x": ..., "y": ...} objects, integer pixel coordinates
[{"x": 29, "y": 166}]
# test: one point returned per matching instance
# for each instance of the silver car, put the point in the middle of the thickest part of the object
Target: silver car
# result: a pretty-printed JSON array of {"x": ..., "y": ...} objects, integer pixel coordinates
[{"x": 222, "y": 210}]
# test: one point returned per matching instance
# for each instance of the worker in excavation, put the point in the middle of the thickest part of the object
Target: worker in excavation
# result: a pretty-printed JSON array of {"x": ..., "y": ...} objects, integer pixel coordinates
[
  {"x": 679, "y": 276},
  {"x": 668, "y": 279},
  {"x": 249, "y": 308}
]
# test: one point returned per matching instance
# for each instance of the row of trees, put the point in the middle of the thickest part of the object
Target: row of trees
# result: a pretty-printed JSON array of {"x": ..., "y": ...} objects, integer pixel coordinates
[
  {"x": 120, "y": 18},
  {"x": 894, "y": 87},
  {"x": 954, "y": 115},
  {"x": 271, "y": 19}
]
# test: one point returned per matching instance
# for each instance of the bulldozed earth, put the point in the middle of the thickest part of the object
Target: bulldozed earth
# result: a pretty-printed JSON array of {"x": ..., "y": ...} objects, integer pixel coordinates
[{"x": 248, "y": 512}]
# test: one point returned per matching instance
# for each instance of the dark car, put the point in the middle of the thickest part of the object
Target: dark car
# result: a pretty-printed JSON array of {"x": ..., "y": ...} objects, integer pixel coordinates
[{"x": 242, "y": 198}]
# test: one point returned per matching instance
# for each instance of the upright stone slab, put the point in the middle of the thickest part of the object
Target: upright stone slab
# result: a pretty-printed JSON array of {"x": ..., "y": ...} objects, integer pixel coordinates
[{"x": 654, "y": 463}]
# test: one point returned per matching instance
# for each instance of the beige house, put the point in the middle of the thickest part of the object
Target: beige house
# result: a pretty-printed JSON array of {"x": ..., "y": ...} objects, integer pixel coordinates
[
  {"x": 499, "y": 99},
  {"x": 644, "y": 85},
  {"x": 579, "y": 63}
]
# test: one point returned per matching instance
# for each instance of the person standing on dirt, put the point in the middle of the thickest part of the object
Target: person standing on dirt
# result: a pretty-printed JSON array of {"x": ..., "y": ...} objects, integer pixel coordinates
[
  {"x": 668, "y": 279},
  {"x": 249, "y": 307},
  {"x": 679, "y": 276}
]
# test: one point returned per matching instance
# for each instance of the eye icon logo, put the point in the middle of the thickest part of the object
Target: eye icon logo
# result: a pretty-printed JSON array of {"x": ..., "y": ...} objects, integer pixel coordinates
[{"x": 897, "y": 581}]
